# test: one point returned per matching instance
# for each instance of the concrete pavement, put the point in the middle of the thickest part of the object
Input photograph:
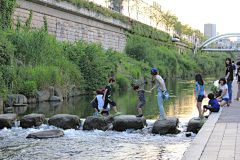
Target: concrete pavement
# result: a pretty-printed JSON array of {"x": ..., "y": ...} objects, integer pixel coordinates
[{"x": 219, "y": 138}]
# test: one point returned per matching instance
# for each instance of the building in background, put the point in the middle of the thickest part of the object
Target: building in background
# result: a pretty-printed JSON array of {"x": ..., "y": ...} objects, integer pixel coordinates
[{"x": 210, "y": 30}]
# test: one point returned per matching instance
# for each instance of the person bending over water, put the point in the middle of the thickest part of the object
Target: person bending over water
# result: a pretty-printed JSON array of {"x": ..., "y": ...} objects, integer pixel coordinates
[
  {"x": 224, "y": 98},
  {"x": 161, "y": 91}
]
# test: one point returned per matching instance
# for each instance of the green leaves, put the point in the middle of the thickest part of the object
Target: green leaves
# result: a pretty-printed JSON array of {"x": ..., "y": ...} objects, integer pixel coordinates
[{"x": 29, "y": 88}]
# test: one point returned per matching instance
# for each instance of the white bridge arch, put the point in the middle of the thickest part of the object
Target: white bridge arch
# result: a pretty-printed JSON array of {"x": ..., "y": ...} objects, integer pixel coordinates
[{"x": 213, "y": 39}]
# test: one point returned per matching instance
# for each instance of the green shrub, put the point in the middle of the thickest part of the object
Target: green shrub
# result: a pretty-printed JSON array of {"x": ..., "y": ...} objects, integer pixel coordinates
[
  {"x": 122, "y": 81},
  {"x": 29, "y": 88}
]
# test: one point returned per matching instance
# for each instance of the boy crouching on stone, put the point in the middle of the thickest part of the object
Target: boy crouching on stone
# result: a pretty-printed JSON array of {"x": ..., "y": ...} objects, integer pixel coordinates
[
  {"x": 142, "y": 99},
  {"x": 98, "y": 103},
  {"x": 213, "y": 105}
]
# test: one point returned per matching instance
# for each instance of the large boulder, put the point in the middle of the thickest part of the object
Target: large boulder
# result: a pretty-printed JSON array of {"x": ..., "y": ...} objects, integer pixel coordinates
[
  {"x": 124, "y": 122},
  {"x": 65, "y": 121},
  {"x": 167, "y": 126},
  {"x": 96, "y": 122},
  {"x": 58, "y": 93},
  {"x": 6, "y": 120},
  {"x": 20, "y": 99},
  {"x": 10, "y": 100},
  {"x": 17, "y": 99},
  {"x": 43, "y": 95},
  {"x": 32, "y": 120},
  {"x": 195, "y": 125},
  {"x": 55, "y": 133}
]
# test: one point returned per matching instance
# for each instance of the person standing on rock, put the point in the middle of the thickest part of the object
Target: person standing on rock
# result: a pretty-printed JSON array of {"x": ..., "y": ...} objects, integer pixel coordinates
[
  {"x": 107, "y": 98},
  {"x": 229, "y": 78},
  {"x": 199, "y": 94},
  {"x": 161, "y": 91},
  {"x": 142, "y": 99}
]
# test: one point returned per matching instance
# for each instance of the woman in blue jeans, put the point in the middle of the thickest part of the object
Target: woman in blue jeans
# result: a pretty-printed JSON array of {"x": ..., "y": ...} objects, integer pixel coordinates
[
  {"x": 161, "y": 91},
  {"x": 229, "y": 78}
]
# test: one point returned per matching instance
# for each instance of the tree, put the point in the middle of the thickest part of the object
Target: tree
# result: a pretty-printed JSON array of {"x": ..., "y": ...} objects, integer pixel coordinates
[
  {"x": 156, "y": 15},
  {"x": 169, "y": 20},
  {"x": 178, "y": 27}
]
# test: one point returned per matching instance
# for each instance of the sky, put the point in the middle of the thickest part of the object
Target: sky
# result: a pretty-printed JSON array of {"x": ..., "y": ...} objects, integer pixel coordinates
[{"x": 224, "y": 13}]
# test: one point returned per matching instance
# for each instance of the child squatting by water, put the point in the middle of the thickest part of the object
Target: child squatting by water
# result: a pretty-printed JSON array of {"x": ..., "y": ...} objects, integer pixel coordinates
[
  {"x": 142, "y": 99},
  {"x": 213, "y": 105}
]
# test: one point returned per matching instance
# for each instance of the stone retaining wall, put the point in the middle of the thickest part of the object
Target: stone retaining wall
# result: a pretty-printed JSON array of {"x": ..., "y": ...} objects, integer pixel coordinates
[{"x": 70, "y": 23}]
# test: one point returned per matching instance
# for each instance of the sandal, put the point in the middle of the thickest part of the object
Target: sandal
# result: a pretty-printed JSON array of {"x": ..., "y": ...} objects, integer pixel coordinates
[{"x": 237, "y": 99}]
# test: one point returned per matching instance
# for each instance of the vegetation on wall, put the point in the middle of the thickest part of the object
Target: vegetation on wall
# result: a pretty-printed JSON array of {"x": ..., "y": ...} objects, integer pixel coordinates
[
  {"x": 6, "y": 9},
  {"x": 98, "y": 8}
]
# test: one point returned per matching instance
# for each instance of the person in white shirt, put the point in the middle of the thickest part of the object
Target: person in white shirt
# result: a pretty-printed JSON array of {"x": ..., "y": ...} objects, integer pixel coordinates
[
  {"x": 98, "y": 102},
  {"x": 224, "y": 98}
]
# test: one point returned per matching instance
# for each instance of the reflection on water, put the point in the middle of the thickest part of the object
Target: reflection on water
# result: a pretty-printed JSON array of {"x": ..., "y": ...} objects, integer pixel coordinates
[
  {"x": 181, "y": 104},
  {"x": 78, "y": 144}
]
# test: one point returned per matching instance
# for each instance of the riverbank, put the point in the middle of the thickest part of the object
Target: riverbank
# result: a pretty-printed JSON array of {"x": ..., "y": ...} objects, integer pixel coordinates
[{"x": 219, "y": 137}]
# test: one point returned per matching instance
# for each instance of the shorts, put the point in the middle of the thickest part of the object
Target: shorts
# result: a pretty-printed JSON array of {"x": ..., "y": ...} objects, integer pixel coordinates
[
  {"x": 110, "y": 101},
  {"x": 210, "y": 108},
  {"x": 140, "y": 104},
  {"x": 200, "y": 98},
  {"x": 95, "y": 105},
  {"x": 225, "y": 99}
]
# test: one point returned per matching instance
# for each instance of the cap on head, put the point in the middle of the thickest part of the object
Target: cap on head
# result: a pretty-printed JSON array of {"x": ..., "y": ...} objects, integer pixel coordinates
[{"x": 153, "y": 70}]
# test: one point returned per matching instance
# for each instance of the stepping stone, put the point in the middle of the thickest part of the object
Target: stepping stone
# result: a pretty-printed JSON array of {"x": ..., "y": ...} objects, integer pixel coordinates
[
  {"x": 124, "y": 122},
  {"x": 28, "y": 121},
  {"x": 167, "y": 126},
  {"x": 97, "y": 122},
  {"x": 55, "y": 133},
  {"x": 65, "y": 121},
  {"x": 6, "y": 120},
  {"x": 195, "y": 125}
]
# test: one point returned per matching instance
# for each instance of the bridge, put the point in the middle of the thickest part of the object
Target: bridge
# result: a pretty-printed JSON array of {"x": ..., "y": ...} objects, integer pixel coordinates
[{"x": 207, "y": 47}]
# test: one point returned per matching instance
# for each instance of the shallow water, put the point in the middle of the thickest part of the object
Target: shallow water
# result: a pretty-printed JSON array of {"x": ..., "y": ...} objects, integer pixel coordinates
[{"x": 78, "y": 144}]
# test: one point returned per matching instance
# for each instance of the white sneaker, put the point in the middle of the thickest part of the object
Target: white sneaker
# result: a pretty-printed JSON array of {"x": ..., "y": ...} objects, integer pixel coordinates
[
  {"x": 198, "y": 118},
  {"x": 161, "y": 118}
]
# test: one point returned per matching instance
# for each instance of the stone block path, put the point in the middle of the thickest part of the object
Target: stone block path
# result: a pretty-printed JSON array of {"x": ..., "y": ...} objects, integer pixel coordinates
[{"x": 219, "y": 138}]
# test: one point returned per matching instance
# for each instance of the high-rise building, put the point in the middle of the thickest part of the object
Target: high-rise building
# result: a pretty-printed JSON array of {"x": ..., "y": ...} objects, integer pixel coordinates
[{"x": 210, "y": 30}]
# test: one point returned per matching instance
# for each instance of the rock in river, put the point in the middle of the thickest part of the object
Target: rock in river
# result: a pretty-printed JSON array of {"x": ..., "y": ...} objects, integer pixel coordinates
[
  {"x": 167, "y": 126},
  {"x": 65, "y": 121},
  {"x": 195, "y": 125},
  {"x": 6, "y": 120},
  {"x": 55, "y": 133},
  {"x": 32, "y": 120},
  {"x": 124, "y": 122},
  {"x": 96, "y": 122},
  {"x": 43, "y": 95}
]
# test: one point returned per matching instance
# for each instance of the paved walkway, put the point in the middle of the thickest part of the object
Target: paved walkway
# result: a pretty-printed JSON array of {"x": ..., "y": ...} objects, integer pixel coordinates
[{"x": 219, "y": 138}]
